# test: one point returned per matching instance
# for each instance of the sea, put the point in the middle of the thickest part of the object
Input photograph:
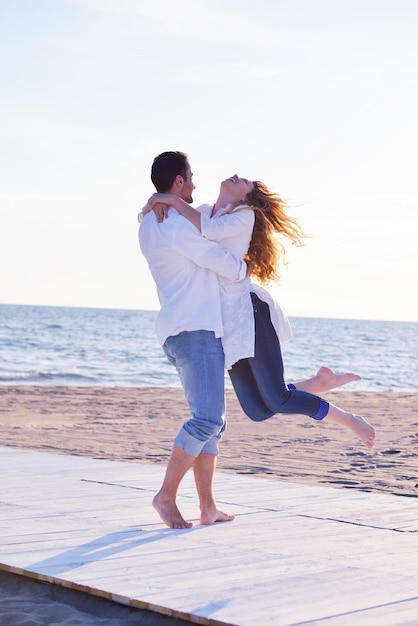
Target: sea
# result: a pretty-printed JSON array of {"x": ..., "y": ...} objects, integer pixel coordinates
[{"x": 66, "y": 346}]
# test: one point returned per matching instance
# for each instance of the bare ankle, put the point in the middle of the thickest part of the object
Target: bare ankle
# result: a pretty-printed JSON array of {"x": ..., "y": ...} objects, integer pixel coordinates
[
  {"x": 212, "y": 515},
  {"x": 167, "y": 509}
]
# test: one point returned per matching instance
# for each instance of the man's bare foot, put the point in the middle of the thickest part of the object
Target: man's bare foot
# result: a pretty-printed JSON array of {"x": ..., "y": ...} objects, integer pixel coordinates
[
  {"x": 325, "y": 380},
  {"x": 169, "y": 513},
  {"x": 211, "y": 515}
]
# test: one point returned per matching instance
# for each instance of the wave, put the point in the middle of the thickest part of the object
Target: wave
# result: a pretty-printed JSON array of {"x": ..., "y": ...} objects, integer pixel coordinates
[{"x": 47, "y": 378}]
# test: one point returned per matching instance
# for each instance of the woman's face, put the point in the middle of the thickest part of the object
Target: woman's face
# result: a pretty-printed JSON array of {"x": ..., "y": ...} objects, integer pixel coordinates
[{"x": 236, "y": 187}]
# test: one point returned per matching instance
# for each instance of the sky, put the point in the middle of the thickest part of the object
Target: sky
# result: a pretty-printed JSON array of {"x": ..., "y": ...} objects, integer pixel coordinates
[{"x": 316, "y": 98}]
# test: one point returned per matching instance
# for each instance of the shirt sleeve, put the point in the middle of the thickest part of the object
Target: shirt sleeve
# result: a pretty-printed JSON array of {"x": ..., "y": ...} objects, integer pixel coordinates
[
  {"x": 208, "y": 254},
  {"x": 236, "y": 224}
]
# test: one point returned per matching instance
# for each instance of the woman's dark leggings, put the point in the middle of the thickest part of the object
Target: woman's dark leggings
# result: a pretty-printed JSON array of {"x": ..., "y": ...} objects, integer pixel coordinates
[{"x": 259, "y": 381}]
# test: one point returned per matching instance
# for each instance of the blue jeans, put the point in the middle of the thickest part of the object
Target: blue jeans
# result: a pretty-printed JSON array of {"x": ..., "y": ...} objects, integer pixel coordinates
[
  {"x": 199, "y": 359},
  {"x": 259, "y": 381}
]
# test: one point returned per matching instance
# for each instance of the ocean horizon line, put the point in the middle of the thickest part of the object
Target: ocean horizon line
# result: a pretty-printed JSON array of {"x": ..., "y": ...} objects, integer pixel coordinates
[{"x": 155, "y": 311}]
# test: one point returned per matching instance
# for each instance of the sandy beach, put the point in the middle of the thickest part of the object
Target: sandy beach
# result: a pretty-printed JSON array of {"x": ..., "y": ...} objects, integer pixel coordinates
[{"x": 138, "y": 425}]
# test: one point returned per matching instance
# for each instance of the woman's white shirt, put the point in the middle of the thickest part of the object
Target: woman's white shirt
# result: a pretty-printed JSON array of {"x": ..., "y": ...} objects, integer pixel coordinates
[{"x": 233, "y": 231}]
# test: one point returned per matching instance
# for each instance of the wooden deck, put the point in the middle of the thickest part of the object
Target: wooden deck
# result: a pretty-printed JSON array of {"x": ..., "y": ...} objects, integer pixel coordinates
[{"x": 294, "y": 554}]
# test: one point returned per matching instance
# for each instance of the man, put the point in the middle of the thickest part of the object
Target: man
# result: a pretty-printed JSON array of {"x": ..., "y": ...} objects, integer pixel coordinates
[{"x": 185, "y": 266}]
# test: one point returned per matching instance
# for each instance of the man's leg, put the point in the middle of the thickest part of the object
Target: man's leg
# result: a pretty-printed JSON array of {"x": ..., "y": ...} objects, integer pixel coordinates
[
  {"x": 204, "y": 472},
  {"x": 212, "y": 405},
  {"x": 165, "y": 500},
  {"x": 199, "y": 359}
]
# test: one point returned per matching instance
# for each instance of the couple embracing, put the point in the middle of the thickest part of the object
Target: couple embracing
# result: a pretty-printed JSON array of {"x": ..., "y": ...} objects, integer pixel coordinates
[{"x": 214, "y": 315}]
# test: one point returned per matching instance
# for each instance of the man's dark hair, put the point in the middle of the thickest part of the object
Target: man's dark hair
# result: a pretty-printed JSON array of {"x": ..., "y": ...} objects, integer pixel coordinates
[{"x": 166, "y": 167}]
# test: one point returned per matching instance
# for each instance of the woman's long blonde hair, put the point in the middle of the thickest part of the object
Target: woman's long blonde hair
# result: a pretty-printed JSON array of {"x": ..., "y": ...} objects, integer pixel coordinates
[{"x": 267, "y": 251}]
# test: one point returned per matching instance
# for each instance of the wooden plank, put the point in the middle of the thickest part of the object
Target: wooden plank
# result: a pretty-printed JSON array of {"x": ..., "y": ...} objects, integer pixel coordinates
[{"x": 294, "y": 554}]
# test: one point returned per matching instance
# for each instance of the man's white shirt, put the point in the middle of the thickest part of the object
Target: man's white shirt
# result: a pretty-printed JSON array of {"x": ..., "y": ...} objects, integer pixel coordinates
[{"x": 185, "y": 267}]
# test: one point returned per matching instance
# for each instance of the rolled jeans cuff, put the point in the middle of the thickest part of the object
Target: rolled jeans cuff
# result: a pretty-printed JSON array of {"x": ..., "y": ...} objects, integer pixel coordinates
[
  {"x": 323, "y": 410},
  {"x": 194, "y": 446}
]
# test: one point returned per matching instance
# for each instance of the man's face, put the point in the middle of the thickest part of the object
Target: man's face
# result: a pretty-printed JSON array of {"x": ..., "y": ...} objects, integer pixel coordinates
[{"x": 188, "y": 186}]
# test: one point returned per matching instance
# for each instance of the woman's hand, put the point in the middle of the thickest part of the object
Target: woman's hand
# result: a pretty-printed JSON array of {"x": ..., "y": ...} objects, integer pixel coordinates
[
  {"x": 161, "y": 211},
  {"x": 160, "y": 203},
  {"x": 160, "y": 208}
]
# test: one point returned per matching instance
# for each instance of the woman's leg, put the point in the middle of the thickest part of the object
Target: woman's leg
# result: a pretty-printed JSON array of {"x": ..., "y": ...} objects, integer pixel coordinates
[
  {"x": 268, "y": 371},
  {"x": 262, "y": 392},
  {"x": 248, "y": 393},
  {"x": 259, "y": 381}
]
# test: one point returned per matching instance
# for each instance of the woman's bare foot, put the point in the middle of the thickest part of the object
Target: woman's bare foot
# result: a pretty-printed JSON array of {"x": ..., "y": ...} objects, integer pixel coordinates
[
  {"x": 330, "y": 380},
  {"x": 325, "y": 380},
  {"x": 364, "y": 431},
  {"x": 211, "y": 515},
  {"x": 356, "y": 423},
  {"x": 169, "y": 513}
]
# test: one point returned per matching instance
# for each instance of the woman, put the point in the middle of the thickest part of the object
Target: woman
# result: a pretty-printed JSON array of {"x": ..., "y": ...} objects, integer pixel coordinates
[{"x": 250, "y": 221}]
